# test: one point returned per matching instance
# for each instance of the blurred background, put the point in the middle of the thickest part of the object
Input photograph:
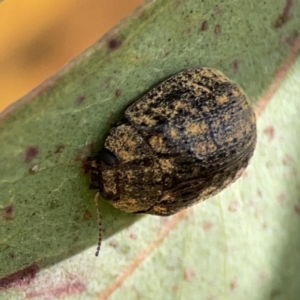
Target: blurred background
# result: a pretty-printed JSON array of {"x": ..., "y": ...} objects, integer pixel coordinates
[{"x": 38, "y": 37}]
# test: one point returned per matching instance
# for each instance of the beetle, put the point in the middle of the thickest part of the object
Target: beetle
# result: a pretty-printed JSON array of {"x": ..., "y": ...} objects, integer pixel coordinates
[{"x": 183, "y": 142}]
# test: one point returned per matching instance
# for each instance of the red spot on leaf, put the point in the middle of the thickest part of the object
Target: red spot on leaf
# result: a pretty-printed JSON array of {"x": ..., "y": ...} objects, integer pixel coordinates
[
  {"x": 189, "y": 275},
  {"x": 114, "y": 43},
  {"x": 287, "y": 159},
  {"x": 87, "y": 215},
  {"x": 133, "y": 236},
  {"x": 30, "y": 153},
  {"x": 269, "y": 132},
  {"x": 207, "y": 225},
  {"x": 118, "y": 93},
  {"x": 7, "y": 212},
  {"x": 83, "y": 156},
  {"x": 217, "y": 30},
  {"x": 22, "y": 277},
  {"x": 233, "y": 284},
  {"x": 233, "y": 206},
  {"x": 284, "y": 16},
  {"x": 67, "y": 289},
  {"x": 281, "y": 198},
  {"x": 204, "y": 26},
  {"x": 235, "y": 65},
  {"x": 80, "y": 100}
]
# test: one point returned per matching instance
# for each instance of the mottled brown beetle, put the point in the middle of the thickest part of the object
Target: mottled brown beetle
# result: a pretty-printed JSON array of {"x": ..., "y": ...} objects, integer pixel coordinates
[{"x": 183, "y": 142}]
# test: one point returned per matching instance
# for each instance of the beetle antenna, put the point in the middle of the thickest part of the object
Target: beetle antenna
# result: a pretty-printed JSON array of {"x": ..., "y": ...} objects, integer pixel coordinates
[{"x": 96, "y": 199}]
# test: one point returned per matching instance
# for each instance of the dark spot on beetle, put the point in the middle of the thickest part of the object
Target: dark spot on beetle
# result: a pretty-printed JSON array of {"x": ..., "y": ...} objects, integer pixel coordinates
[
  {"x": 269, "y": 132},
  {"x": 217, "y": 29},
  {"x": 80, "y": 100},
  {"x": 30, "y": 153},
  {"x": 19, "y": 278},
  {"x": 284, "y": 16},
  {"x": 169, "y": 40},
  {"x": 204, "y": 26},
  {"x": 59, "y": 149},
  {"x": 107, "y": 157},
  {"x": 34, "y": 169},
  {"x": 235, "y": 65},
  {"x": 118, "y": 93},
  {"x": 7, "y": 212},
  {"x": 114, "y": 43},
  {"x": 87, "y": 215}
]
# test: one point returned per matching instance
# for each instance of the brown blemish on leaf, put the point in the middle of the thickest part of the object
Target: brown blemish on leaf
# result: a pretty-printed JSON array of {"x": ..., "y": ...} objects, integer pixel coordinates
[
  {"x": 235, "y": 65},
  {"x": 118, "y": 93},
  {"x": 297, "y": 207},
  {"x": 189, "y": 275},
  {"x": 233, "y": 206},
  {"x": 87, "y": 215},
  {"x": 7, "y": 212},
  {"x": 207, "y": 225},
  {"x": 59, "y": 149},
  {"x": 22, "y": 277},
  {"x": 259, "y": 193},
  {"x": 67, "y": 289},
  {"x": 113, "y": 243},
  {"x": 114, "y": 43},
  {"x": 80, "y": 100},
  {"x": 34, "y": 169},
  {"x": 217, "y": 30},
  {"x": 30, "y": 153},
  {"x": 287, "y": 159},
  {"x": 204, "y": 26},
  {"x": 284, "y": 16},
  {"x": 281, "y": 198},
  {"x": 133, "y": 236},
  {"x": 233, "y": 284},
  {"x": 269, "y": 132},
  {"x": 83, "y": 156},
  {"x": 173, "y": 221}
]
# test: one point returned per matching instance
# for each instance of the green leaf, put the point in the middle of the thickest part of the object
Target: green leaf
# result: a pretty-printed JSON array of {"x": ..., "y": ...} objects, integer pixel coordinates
[{"x": 47, "y": 212}]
